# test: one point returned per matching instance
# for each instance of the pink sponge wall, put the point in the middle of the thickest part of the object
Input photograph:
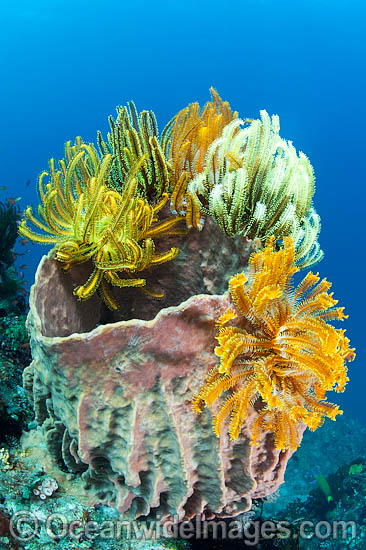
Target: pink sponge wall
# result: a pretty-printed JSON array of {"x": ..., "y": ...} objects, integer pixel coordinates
[{"x": 114, "y": 399}]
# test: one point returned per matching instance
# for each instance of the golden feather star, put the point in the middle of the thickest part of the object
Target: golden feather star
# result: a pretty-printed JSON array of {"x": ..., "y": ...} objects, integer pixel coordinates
[
  {"x": 282, "y": 355},
  {"x": 185, "y": 141}
]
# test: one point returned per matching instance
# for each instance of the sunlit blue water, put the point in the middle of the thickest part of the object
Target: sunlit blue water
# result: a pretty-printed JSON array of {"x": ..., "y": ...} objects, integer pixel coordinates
[{"x": 65, "y": 66}]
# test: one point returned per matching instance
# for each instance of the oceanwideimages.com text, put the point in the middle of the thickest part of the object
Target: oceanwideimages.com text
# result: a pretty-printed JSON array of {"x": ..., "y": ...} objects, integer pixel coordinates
[{"x": 25, "y": 526}]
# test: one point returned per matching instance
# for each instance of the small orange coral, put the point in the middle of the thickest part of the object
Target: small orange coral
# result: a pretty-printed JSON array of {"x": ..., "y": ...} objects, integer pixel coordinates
[
  {"x": 283, "y": 355},
  {"x": 185, "y": 141}
]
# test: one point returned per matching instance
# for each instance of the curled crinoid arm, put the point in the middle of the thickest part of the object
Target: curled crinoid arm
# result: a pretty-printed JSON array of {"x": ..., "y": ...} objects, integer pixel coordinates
[
  {"x": 308, "y": 251},
  {"x": 288, "y": 357}
]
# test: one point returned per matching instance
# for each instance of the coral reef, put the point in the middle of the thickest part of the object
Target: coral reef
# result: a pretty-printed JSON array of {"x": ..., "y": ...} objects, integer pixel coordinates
[
  {"x": 19, "y": 486},
  {"x": 298, "y": 498},
  {"x": 15, "y": 410},
  {"x": 10, "y": 282},
  {"x": 347, "y": 508},
  {"x": 282, "y": 354}
]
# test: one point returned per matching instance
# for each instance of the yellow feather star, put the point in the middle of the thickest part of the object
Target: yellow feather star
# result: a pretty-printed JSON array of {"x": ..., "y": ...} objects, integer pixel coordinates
[
  {"x": 87, "y": 220},
  {"x": 282, "y": 355}
]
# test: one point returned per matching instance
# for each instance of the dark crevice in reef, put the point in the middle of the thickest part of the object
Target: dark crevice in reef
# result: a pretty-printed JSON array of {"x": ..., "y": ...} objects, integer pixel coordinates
[{"x": 15, "y": 410}]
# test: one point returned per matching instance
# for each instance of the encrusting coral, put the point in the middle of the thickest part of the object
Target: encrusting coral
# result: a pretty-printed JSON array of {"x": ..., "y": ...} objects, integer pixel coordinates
[
  {"x": 88, "y": 220},
  {"x": 282, "y": 355}
]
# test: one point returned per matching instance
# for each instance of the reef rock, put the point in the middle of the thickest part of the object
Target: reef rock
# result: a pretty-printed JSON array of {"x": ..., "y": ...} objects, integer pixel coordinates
[{"x": 114, "y": 398}]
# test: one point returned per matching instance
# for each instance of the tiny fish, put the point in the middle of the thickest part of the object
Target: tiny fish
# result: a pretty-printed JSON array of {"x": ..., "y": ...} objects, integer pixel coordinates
[
  {"x": 23, "y": 266},
  {"x": 11, "y": 200},
  {"x": 27, "y": 183},
  {"x": 24, "y": 241},
  {"x": 2, "y": 188},
  {"x": 324, "y": 486}
]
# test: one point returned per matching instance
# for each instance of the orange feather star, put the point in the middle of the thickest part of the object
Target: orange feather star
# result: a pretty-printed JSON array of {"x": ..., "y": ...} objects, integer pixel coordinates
[
  {"x": 185, "y": 141},
  {"x": 282, "y": 355}
]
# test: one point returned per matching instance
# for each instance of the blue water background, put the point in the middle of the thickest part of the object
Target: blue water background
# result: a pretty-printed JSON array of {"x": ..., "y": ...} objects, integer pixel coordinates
[{"x": 65, "y": 65}]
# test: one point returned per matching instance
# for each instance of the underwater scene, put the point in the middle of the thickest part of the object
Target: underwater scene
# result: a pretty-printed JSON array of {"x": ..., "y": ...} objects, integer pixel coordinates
[{"x": 181, "y": 299}]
